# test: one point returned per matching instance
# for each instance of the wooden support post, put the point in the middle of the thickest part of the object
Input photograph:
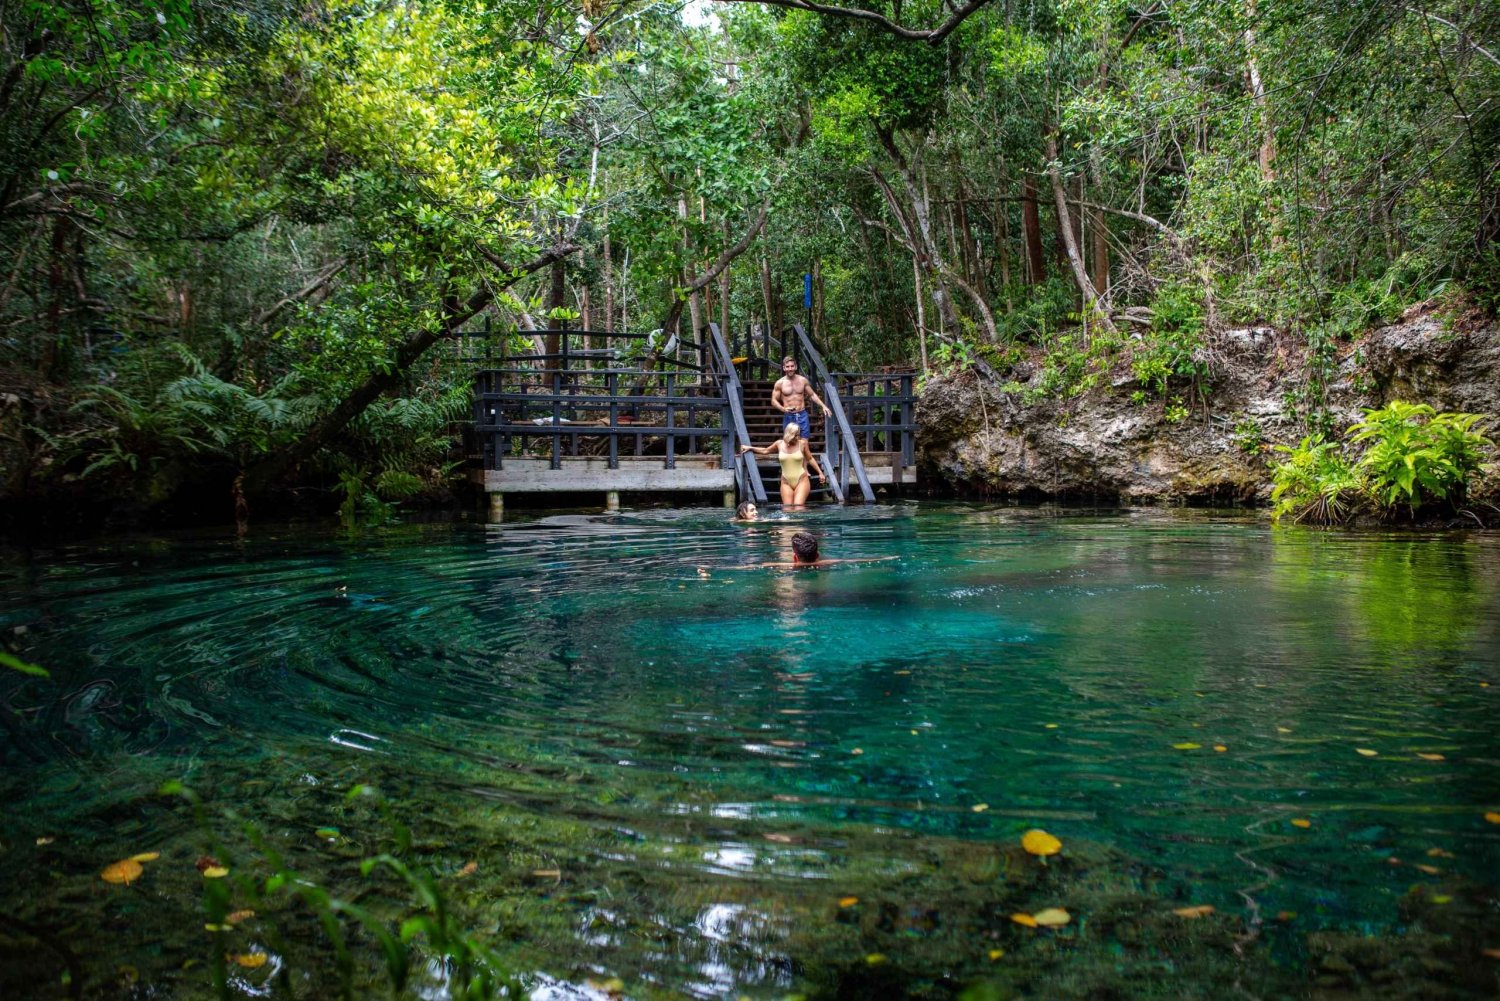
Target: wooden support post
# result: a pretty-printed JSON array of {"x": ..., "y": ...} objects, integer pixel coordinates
[
  {"x": 612, "y": 502},
  {"x": 497, "y": 508},
  {"x": 729, "y": 498}
]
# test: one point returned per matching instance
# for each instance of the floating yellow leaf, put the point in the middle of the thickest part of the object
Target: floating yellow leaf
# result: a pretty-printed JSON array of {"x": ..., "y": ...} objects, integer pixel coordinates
[
  {"x": 1430, "y": 870},
  {"x": 1493, "y": 817},
  {"x": 903, "y": 672},
  {"x": 1187, "y": 745},
  {"x": 1052, "y": 917},
  {"x": 858, "y": 750},
  {"x": 1367, "y": 752},
  {"x": 980, "y": 807},
  {"x": 1302, "y": 822},
  {"x": 1198, "y": 911},
  {"x": 1039, "y": 842},
  {"x": 1282, "y": 729},
  {"x": 996, "y": 954},
  {"x": 250, "y": 960},
  {"x": 235, "y": 917},
  {"x": 875, "y": 959},
  {"x": 125, "y": 871},
  {"x": 1220, "y": 748},
  {"x": 848, "y": 901},
  {"x": 1024, "y": 919},
  {"x": 1049, "y": 726},
  {"x": 215, "y": 872},
  {"x": 146, "y": 857},
  {"x": 213, "y": 927},
  {"x": 914, "y": 733},
  {"x": 1430, "y": 757},
  {"x": 1439, "y": 853}
]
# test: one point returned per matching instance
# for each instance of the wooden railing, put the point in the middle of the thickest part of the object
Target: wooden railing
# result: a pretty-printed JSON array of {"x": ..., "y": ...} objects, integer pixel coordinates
[
  {"x": 882, "y": 412},
  {"x": 747, "y": 477},
  {"x": 585, "y": 402}
]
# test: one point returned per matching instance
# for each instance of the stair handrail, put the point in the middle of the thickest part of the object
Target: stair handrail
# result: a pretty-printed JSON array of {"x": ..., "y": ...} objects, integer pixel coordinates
[
  {"x": 746, "y": 472},
  {"x": 849, "y": 453}
]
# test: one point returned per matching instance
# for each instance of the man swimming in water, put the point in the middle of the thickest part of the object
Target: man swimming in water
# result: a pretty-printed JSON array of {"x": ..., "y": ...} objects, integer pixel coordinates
[
  {"x": 805, "y": 554},
  {"x": 790, "y": 396}
]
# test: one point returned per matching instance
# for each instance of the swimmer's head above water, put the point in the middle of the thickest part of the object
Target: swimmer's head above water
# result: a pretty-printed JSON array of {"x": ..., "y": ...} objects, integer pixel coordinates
[
  {"x": 804, "y": 548},
  {"x": 747, "y": 511}
]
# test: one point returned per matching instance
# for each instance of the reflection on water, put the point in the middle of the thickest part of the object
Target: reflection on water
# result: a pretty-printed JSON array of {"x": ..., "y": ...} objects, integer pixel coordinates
[{"x": 737, "y": 781}]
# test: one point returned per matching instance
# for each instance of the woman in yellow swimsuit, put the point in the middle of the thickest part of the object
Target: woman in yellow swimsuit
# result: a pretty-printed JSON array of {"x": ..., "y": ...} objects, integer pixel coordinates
[{"x": 792, "y": 452}]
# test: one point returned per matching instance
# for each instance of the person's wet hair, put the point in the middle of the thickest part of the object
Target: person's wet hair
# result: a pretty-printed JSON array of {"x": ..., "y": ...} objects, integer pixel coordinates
[
  {"x": 805, "y": 547},
  {"x": 746, "y": 511}
]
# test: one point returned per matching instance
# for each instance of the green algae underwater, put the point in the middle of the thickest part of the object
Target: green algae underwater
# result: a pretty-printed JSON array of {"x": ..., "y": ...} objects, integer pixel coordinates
[{"x": 603, "y": 758}]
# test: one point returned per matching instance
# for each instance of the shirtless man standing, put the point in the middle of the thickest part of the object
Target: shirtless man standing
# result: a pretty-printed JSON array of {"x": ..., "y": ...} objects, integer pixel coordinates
[{"x": 790, "y": 396}]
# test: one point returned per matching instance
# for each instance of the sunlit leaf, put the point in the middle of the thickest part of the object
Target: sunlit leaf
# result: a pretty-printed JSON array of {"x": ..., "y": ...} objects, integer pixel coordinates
[
  {"x": 858, "y": 750},
  {"x": 1024, "y": 919},
  {"x": 1302, "y": 822},
  {"x": 875, "y": 959},
  {"x": 1039, "y": 842},
  {"x": 1187, "y": 745},
  {"x": 1441, "y": 898},
  {"x": 980, "y": 807},
  {"x": 848, "y": 901},
  {"x": 235, "y": 917},
  {"x": 1198, "y": 911},
  {"x": 1367, "y": 752},
  {"x": 45, "y": 840},
  {"x": 1220, "y": 748},
  {"x": 146, "y": 857},
  {"x": 124, "y": 871},
  {"x": 214, "y": 927},
  {"x": 995, "y": 954},
  {"x": 1493, "y": 816},
  {"x": 215, "y": 872},
  {"x": 250, "y": 960},
  {"x": 1430, "y": 757},
  {"x": 1439, "y": 853},
  {"x": 1049, "y": 726},
  {"x": 1052, "y": 917},
  {"x": 469, "y": 869},
  {"x": 1430, "y": 870},
  {"x": 1282, "y": 729}
]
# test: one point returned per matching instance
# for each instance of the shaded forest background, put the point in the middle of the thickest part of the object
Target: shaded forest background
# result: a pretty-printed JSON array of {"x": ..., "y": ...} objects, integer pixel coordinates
[{"x": 243, "y": 237}]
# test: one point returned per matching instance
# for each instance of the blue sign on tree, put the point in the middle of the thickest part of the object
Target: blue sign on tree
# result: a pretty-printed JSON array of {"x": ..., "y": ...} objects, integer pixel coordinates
[{"x": 807, "y": 291}]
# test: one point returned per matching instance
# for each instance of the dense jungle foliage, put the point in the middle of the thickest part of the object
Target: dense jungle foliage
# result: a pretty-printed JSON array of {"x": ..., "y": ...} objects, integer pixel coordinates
[{"x": 244, "y": 235}]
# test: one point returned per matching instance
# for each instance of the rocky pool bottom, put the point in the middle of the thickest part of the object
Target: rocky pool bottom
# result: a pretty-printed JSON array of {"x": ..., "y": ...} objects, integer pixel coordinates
[{"x": 628, "y": 767}]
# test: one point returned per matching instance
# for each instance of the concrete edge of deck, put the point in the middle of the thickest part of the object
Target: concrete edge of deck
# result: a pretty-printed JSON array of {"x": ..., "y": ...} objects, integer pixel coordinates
[{"x": 590, "y": 473}]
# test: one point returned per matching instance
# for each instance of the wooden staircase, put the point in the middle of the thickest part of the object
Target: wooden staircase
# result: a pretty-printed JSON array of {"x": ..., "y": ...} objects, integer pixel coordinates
[{"x": 764, "y": 422}]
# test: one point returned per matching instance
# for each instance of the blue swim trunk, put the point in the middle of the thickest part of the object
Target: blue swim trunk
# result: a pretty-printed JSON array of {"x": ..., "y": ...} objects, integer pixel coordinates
[{"x": 800, "y": 419}]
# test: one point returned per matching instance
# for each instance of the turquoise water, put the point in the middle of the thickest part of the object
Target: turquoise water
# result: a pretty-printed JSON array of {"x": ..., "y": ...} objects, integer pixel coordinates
[{"x": 632, "y": 765}]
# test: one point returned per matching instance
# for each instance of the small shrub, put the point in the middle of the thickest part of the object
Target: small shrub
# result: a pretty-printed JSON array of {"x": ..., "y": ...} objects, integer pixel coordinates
[
  {"x": 1175, "y": 412},
  {"x": 1414, "y": 455},
  {"x": 1249, "y": 435},
  {"x": 1316, "y": 483}
]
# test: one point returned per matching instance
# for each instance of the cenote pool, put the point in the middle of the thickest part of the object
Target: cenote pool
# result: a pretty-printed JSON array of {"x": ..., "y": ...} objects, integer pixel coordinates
[{"x": 627, "y": 775}]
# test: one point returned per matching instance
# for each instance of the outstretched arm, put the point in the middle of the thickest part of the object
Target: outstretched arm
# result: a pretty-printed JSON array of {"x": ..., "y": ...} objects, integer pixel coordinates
[
  {"x": 813, "y": 394},
  {"x": 763, "y": 450}
]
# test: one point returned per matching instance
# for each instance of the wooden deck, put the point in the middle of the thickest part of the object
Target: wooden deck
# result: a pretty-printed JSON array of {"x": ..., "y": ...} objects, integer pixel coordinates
[{"x": 612, "y": 413}]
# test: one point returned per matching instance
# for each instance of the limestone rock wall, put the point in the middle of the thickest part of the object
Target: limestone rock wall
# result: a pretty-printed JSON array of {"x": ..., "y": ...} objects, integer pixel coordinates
[{"x": 1102, "y": 447}]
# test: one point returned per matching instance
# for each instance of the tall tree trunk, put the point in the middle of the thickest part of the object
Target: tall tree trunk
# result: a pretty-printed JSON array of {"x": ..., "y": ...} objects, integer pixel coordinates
[
  {"x": 57, "y": 267},
  {"x": 766, "y": 298},
  {"x": 916, "y": 278},
  {"x": 695, "y": 302},
  {"x": 1065, "y": 226},
  {"x": 609, "y": 279},
  {"x": 1031, "y": 233},
  {"x": 1267, "y": 155},
  {"x": 724, "y": 289}
]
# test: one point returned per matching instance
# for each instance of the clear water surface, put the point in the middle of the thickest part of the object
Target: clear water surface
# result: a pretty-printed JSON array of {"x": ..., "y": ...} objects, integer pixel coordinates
[{"x": 635, "y": 766}]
